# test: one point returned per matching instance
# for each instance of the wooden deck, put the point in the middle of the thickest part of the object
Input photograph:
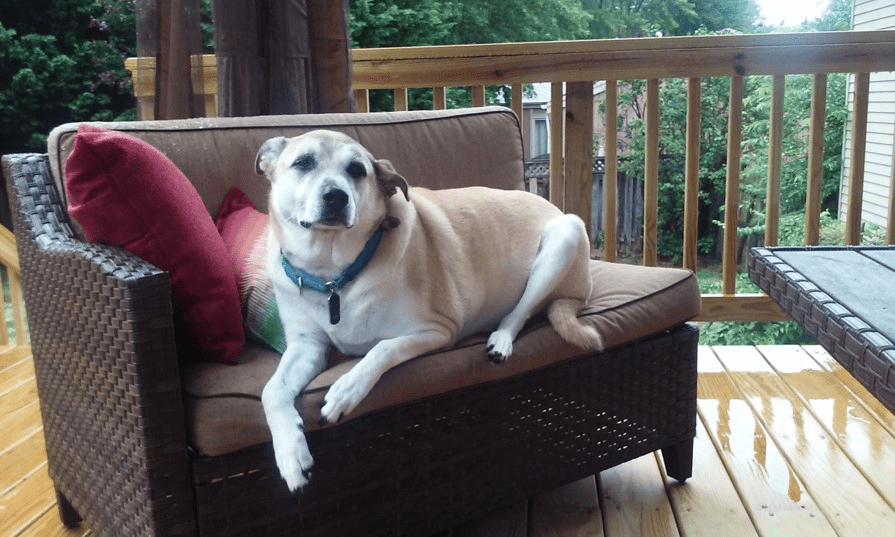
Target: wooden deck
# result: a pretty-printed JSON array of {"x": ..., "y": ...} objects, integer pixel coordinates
[{"x": 788, "y": 444}]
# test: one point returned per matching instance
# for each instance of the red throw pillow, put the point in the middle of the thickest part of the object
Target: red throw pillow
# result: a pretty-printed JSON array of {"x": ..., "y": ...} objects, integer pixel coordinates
[{"x": 124, "y": 192}]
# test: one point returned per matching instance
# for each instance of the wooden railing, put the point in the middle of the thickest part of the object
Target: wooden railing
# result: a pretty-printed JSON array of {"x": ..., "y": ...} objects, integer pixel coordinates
[
  {"x": 578, "y": 64},
  {"x": 15, "y": 305}
]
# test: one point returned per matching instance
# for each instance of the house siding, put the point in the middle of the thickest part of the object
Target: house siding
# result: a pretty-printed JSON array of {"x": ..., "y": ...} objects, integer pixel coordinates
[{"x": 873, "y": 15}]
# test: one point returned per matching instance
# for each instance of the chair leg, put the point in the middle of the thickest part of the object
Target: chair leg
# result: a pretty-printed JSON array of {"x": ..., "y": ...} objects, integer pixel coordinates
[
  {"x": 67, "y": 513},
  {"x": 679, "y": 460}
]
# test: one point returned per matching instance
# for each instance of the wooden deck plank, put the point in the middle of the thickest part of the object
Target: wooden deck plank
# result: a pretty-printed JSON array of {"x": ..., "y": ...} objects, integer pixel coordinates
[
  {"x": 882, "y": 414},
  {"x": 22, "y": 460},
  {"x": 15, "y": 375},
  {"x": 634, "y": 500},
  {"x": 828, "y": 474},
  {"x": 774, "y": 497},
  {"x": 708, "y": 503},
  {"x": 572, "y": 510},
  {"x": 11, "y": 355},
  {"x": 847, "y": 422},
  {"x": 48, "y": 525},
  {"x": 27, "y": 502}
]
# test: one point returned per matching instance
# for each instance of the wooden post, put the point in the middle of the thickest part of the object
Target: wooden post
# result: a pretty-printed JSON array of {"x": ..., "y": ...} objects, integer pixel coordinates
[
  {"x": 858, "y": 148},
  {"x": 775, "y": 162},
  {"x": 557, "y": 145},
  {"x": 651, "y": 176},
  {"x": 732, "y": 195},
  {"x": 579, "y": 150},
  {"x": 362, "y": 100},
  {"x": 400, "y": 99},
  {"x": 815, "y": 159},
  {"x": 478, "y": 96},
  {"x": 610, "y": 175},
  {"x": 439, "y": 99},
  {"x": 516, "y": 103},
  {"x": 691, "y": 178}
]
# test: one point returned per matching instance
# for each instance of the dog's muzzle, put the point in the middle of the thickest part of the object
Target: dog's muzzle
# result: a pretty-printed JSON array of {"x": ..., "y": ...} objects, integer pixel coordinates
[{"x": 335, "y": 207}]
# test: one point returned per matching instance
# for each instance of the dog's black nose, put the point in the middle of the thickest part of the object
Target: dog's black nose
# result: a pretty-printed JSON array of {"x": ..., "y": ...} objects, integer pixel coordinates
[{"x": 335, "y": 200}]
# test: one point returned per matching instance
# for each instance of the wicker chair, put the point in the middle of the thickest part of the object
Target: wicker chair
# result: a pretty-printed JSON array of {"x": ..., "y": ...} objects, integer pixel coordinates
[{"x": 139, "y": 443}]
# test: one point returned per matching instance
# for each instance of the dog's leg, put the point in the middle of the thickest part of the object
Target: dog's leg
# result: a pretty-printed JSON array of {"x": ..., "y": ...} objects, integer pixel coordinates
[
  {"x": 350, "y": 389},
  {"x": 564, "y": 248},
  {"x": 302, "y": 361}
]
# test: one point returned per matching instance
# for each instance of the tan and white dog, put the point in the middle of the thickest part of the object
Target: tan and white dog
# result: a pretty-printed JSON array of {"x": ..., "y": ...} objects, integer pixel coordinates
[{"x": 390, "y": 277}]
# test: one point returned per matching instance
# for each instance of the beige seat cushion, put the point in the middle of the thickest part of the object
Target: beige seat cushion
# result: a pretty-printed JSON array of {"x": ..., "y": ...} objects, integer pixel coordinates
[{"x": 223, "y": 403}]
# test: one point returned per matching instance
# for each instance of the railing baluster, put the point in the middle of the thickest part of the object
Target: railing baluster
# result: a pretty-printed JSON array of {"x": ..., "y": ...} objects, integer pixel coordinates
[
  {"x": 516, "y": 104},
  {"x": 610, "y": 174},
  {"x": 732, "y": 194},
  {"x": 439, "y": 98},
  {"x": 400, "y": 99},
  {"x": 362, "y": 100},
  {"x": 857, "y": 155},
  {"x": 691, "y": 179},
  {"x": 557, "y": 142},
  {"x": 815, "y": 159},
  {"x": 478, "y": 96},
  {"x": 651, "y": 176},
  {"x": 579, "y": 150},
  {"x": 775, "y": 162}
]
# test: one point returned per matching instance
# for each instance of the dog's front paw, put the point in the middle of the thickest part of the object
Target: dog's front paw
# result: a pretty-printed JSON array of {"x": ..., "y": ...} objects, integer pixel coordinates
[
  {"x": 500, "y": 347},
  {"x": 345, "y": 394},
  {"x": 293, "y": 457}
]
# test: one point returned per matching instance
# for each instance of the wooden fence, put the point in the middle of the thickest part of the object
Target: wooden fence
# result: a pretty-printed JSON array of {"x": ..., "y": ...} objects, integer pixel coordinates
[{"x": 572, "y": 67}]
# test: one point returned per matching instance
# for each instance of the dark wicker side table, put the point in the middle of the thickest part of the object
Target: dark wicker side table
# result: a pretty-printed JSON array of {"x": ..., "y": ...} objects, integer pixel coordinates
[{"x": 845, "y": 298}]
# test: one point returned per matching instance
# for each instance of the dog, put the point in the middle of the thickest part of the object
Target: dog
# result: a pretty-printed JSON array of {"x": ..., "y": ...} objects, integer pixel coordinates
[{"x": 390, "y": 276}]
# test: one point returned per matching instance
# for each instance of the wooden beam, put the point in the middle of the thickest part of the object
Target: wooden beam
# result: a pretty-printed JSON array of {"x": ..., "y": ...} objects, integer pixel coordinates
[
  {"x": 815, "y": 159},
  {"x": 624, "y": 59},
  {"x": 439, "y": 98},
  {"x": 691, "y": 178},
  {"x": 478, "y": 95},
  {"x": 400, "y": 99},
  {"x": 775, "y": 162},
  {"x": 362, "y": 100},
  {"x": 557, "y": 145},
  {"x": 758, "y": 307},
  {"x": 610, "y": 175},
  {"x": 579, "y": 150},
  {"x": 732, "y": 189},
  {"x": 651, "y": 176},
  {"x": 857, "y": 156}
]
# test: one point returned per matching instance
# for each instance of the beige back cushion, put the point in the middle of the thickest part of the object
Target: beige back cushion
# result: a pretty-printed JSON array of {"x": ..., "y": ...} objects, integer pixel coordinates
[{"x": 435, "y": 149}]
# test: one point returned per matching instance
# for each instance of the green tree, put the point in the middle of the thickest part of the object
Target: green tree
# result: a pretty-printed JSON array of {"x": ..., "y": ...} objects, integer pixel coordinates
[
  {"x": 640, "y": 18},
  {"x": 62, "y": 61}
]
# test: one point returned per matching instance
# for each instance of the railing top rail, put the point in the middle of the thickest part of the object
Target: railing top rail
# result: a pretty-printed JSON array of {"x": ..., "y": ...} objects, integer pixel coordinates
[{"x": 623, "y": 59}]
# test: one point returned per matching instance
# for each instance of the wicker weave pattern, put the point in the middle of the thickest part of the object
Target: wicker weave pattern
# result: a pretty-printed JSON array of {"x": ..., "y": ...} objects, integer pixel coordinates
[
  {"x": 424, "y": 467},
  {"x": 867, "y": 354},
  {"x": 102, "y": 339}
]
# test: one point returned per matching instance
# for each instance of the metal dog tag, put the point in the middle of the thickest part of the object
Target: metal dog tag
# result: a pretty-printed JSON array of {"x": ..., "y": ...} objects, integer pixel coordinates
[{"x": 335, "y": 313}]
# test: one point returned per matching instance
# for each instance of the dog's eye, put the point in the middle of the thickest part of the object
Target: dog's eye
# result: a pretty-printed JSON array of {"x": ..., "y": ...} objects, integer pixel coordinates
[
  {"x": 305, "y": 163},
  {"x": 356, "y": 170}
]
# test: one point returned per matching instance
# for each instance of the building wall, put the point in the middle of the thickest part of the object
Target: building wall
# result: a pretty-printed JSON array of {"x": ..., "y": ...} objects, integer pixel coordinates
[{"x": 873, "y": 15}]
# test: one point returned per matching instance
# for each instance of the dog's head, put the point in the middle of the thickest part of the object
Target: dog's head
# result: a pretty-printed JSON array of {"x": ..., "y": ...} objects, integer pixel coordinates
[{"x": 326, "y": 180}]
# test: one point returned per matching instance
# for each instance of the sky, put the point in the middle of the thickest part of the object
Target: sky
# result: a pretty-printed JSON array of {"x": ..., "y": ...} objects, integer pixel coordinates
[{"x": 791, "y": 12}]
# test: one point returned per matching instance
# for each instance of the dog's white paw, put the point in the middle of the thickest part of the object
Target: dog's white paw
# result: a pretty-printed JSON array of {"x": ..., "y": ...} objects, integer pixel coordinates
[
  {"x": 293, "y": 457},
  {"x": 500, "y": 346},
  {"x": 345, "y": 394}
]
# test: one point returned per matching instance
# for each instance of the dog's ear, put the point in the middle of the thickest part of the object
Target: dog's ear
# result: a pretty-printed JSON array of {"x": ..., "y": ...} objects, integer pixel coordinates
[
  {"x": 389, "y": 180},
  {"x": 269, "y": 153}
]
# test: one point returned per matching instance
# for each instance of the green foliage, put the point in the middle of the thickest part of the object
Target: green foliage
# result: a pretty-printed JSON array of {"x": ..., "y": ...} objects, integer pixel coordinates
[
  {"x": 62, "y": 61},
  {"x": 617, "y": 18}
]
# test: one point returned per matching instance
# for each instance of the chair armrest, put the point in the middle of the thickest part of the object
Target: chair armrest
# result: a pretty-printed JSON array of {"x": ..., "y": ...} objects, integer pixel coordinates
[{"x": 105, "y": 360}]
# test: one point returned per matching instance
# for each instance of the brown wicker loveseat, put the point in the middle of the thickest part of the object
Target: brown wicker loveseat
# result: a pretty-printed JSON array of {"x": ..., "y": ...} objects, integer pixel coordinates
[{"x": 142, "y": 440}]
